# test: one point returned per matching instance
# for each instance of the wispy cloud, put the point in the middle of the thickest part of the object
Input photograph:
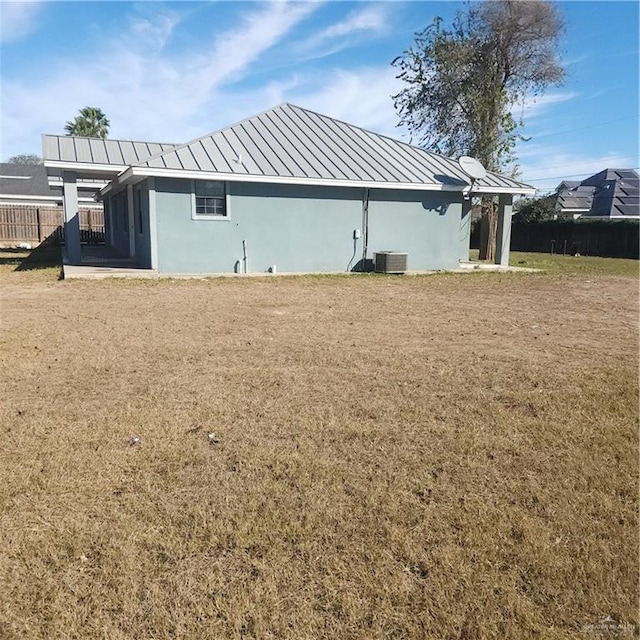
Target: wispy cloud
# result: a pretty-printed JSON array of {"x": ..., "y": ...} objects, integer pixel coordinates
[
  {"x": 533, "y": 106},
  {"x": 363, "y": 22},
  {"x": 259, "y": 31},
  {"x": 18, "y": 19},
  {"x": 371, "y": 18},
  {"x": 147, "y": 91}
]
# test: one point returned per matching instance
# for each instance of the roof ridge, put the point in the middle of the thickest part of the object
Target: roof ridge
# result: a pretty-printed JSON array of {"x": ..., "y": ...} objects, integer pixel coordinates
[
  {"x": 207, "y": 135},
  {"x": 295, "y": 106},
  {"x": 375, "y": 157}
]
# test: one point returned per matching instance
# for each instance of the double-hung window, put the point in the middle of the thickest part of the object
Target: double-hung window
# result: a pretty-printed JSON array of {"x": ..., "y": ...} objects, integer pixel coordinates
[{"x": 211, "y": 200}]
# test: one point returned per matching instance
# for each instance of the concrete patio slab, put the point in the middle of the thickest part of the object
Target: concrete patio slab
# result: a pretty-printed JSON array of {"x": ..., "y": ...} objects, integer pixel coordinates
[{"x": 97, "y": 272}]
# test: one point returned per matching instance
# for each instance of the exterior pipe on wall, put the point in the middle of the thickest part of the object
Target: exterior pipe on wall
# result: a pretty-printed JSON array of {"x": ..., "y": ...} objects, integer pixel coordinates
[
  {"x": 365, "y": 227},
  {"x": 244, "y": 256}
]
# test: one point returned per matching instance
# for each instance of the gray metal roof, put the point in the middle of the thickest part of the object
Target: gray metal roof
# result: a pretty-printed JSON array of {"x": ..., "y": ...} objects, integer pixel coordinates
[
  {"x": 608, "y": 193},
  {"x": 25, "y": 180},
  {"x": 294, "y": 143},
  {"x": 119, "y": 153}
]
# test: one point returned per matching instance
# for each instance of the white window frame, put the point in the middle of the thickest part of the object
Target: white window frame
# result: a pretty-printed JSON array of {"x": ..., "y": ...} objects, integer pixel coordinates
[{"x": 227, "y": 202}]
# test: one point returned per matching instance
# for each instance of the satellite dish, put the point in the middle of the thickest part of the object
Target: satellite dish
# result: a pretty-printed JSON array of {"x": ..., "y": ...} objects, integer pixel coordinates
[{"x": 472, "y": 167}]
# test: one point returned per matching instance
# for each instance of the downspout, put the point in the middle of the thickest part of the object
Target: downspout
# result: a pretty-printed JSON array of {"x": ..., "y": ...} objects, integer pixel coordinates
[{"x": 365, "y": 227}]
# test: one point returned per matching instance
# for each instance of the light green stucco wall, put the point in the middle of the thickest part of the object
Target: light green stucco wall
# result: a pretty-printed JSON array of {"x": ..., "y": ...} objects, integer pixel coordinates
[
  {"x": 423, "y": 224},
  {"x": 303, "y": 228}
]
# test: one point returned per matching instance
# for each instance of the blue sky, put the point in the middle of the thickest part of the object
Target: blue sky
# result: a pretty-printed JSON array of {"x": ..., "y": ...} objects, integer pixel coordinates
[{"x": 173, "y": 71}]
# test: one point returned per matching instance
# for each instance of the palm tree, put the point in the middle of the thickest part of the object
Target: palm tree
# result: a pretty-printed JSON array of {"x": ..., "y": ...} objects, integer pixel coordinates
[{"x": 91, "y": 123}]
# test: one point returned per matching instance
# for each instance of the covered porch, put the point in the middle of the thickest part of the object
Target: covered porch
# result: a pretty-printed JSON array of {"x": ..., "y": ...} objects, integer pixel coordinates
[
  {"x": 102, "y": 261},
  {"x": 81, "y": 167},
  {"x": 503, "y": 232}
]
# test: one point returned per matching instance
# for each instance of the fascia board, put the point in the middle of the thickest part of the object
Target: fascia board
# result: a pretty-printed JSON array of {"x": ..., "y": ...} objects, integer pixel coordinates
[
  {"x": 158, "y": 172},
  {"x": 85, "y": 166}
]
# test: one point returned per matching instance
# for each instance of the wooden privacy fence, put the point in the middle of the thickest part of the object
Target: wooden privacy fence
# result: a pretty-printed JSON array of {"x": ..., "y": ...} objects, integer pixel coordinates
[
  {"x": 38, "y": 224},
  {"x": 606, "y": 238}
]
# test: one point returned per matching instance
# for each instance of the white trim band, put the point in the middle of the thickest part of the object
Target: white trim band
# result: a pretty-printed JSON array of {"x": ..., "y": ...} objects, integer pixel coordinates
[{"x": 133, "y": 172}]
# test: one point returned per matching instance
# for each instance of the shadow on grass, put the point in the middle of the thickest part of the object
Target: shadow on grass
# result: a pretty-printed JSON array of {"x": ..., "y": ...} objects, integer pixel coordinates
[{"x": 44, "y": 256}]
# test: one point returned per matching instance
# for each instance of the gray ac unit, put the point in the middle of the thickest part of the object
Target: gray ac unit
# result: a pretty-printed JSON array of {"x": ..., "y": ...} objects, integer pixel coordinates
[{"x": 390, "y": 262}]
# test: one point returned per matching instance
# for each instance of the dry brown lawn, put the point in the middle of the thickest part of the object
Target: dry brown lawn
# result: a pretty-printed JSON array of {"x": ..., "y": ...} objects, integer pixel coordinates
[{"x": 448, "y": 456}]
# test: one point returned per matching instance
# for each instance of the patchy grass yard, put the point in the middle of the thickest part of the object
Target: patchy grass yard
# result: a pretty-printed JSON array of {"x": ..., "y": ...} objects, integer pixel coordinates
[
  {"x": 447, "y": 456},
  {"x": 572, "y": 265},
  {"x": 576, "y": 265}
]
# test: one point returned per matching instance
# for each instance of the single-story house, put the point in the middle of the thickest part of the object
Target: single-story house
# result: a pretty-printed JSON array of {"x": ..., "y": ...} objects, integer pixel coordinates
[
  {"x": 609, "y": 194},
  {"x": 291, "y": 190}
]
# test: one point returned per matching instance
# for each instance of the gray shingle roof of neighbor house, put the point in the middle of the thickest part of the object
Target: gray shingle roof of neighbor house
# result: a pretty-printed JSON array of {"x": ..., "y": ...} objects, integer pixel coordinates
[
  {"x": 96, "y": 151},
  {"x": 26, "y": 181},
  {"x": 612, "y": 193},
  {"x": 576, "y": 197},
  {"x": 294, "y": 145}
]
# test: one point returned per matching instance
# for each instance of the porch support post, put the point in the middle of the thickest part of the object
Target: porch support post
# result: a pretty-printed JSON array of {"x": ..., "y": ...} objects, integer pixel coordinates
[
  {"x": 131, "y": 221},
  {"x": 503, "y": 234},
  {"x": 465, "y": 231},
  {"x": 71, "y": 217},
  {"x": 153, "y": 224}
]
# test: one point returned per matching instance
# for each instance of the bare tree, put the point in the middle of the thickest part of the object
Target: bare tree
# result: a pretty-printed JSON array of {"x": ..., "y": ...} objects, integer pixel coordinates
[
  {"x": 465, "y": 81},
  {"x": 25, "y": 158}
]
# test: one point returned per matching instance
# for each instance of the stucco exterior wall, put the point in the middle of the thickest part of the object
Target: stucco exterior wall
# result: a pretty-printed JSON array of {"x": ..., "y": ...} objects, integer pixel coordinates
[
  {"x": 423, "y": 224},
  {"x": 303, "y": 228}
]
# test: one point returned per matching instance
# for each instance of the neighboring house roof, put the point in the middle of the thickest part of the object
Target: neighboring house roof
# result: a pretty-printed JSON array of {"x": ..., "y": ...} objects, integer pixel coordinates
[
  {"x": 63, "y": 151},
  {"x": 575, "y": 198},
  {"x": 26, "y": 180},
  {"x": 611, "y": 193},
  {"x": 289, "y": 144},
  {"x": 569, "y": 184},
  {"x": 28, "y": 184}
]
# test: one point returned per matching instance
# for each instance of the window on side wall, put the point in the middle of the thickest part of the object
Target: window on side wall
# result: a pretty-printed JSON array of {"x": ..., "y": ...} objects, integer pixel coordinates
[{"x": 210, "y": 199}]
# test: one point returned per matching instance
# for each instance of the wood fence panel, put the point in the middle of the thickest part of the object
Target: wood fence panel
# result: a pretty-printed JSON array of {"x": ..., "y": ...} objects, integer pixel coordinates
[
  {"x": 19, "y": 223},
  {"x": 51, "y": 224}
]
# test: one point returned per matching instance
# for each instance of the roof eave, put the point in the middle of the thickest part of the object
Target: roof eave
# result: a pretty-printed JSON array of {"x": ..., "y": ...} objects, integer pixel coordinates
[
  {"x": 84, "y": 166},
  {"x": 133, "y": 172}
]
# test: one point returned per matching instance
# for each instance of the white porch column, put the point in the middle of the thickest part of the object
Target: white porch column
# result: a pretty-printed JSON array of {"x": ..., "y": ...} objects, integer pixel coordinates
[
  {"x": 131, "y": 220},
  {"x": 71, "y": 217},
  {"x": 503, "y": 234},
  {"x": 153, "y": 226}
]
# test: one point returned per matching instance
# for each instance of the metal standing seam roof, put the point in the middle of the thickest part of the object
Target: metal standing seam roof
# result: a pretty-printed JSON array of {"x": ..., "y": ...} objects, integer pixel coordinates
[
  {"x": 289, "y": 142},
  {"x": 78, "y": 150}
]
